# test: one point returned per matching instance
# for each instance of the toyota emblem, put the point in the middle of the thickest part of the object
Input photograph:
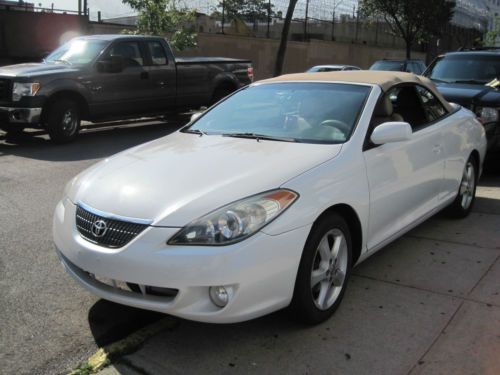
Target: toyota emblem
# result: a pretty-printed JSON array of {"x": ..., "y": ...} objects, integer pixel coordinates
[{"x": 99, "y": 228}]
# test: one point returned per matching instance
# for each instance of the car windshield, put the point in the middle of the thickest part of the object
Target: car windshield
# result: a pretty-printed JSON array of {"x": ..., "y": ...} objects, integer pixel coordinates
[
  {"x": 394, "y": 66},
  {"x": 296, "y": 112},
  {"x": 77, "y": 52},
  {"x": 466, "y": 68}
]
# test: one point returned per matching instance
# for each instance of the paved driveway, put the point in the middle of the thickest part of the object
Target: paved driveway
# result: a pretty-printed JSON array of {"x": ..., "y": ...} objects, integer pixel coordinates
[{"x": 428, "y": 303}]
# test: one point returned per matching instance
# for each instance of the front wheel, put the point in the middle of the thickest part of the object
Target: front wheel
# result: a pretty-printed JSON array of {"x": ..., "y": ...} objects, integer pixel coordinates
[
  {"x": 462, "y": 205},
  {"x": 63, "y": 121},
  {"x": 323, "y": 271}
]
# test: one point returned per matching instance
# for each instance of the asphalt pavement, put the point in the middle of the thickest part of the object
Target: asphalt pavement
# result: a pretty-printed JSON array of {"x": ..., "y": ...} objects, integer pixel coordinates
[{"x": 428, "y": 303}]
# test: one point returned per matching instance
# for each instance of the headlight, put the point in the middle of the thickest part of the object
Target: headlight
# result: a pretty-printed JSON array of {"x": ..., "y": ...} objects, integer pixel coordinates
[
  {"x": 236, "y": 221},
  {"x": 487, "y": 114},
  {"x": 24, "y": 89}
]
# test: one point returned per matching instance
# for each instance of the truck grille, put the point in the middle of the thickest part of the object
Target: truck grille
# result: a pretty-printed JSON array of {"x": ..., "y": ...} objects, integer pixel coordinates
[
  {"x": 106, "y": 232},
  {"x": 5, "y": 89}
]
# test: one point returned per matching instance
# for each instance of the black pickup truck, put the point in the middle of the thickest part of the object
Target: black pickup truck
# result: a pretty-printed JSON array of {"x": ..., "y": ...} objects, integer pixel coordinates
[
  {"x": 470, "y": 78},
  {"x": 103, "y": 77}
]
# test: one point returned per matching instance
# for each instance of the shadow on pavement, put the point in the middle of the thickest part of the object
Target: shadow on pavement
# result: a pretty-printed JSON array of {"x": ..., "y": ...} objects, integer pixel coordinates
[
  {"x": 94, "y": 142},
  {"x": 110, "y": 322}
]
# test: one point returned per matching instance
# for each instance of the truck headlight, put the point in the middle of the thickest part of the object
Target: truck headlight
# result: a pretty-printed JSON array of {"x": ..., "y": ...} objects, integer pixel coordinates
[
  {"x": 236, "y": 221},
  {"x": 487, "y": 114},
  {"x": 24, "y": 89}
]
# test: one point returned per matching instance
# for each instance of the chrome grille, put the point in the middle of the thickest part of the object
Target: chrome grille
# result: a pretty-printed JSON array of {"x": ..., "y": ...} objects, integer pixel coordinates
[
  {"x": 5, "y": 89},
  {"x": 117, "y": 233}
]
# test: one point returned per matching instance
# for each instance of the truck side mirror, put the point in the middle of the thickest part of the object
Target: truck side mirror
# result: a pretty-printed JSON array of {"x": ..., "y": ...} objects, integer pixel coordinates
[{"x": 113, "y": 64}]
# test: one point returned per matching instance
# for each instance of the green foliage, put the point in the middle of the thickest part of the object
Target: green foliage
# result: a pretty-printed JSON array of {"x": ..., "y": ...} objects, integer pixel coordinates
[
  {"x": 245, "y": 10},
  {"x": 162, "y": 17},
  {"x": 413, "y": 20},
  {"x": 491, "y": 36}
]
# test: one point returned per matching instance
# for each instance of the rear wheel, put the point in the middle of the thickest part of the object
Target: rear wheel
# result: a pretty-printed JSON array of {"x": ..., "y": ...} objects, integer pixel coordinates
[
  {"x": 221, "y": 92},
  {"x": 462, "y": 205},
  {"x": 63, "y": 121},
  {"x": 323, "y": 271}
]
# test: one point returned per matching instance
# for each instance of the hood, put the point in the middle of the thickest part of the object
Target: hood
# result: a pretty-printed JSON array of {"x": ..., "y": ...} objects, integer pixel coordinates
[
  {"x": 464, "y": 94},
  {"x": 181, "y": 177},
  {"x": 34, "y": 69}
]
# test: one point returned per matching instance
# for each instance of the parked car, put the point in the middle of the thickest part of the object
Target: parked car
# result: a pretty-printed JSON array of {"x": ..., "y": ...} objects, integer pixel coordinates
[
  {"x": 103, "y": 77},
  {"x": 331, "y": 68},
  {"x": 469, "y": 78},
  {"x": 269, "y": 198},
  {"x": 410, "y": 66}
]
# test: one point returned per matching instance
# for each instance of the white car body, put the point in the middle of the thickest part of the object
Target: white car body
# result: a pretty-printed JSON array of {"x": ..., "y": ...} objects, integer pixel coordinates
[{"x": 169, "y": 182}]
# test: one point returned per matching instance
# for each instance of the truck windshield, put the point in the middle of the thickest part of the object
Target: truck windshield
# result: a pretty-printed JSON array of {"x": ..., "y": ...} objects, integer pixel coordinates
[
  {"x": 293, "y": 112},
  {"x": 77, "y": 52},
  {"x": 467, "y": 68}
]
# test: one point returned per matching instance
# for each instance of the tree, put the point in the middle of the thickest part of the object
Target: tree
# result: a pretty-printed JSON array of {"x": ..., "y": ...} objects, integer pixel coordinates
[
  {"x": 413, "y": 20},
  {"x": 491, "y": 36},
  {"x": 280, "y": 58},
  {"x": 246, "y": 10},
  {"x": 161, "y": 17}
]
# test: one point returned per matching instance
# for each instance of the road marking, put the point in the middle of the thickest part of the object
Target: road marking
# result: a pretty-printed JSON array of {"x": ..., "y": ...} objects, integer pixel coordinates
[{"x": 105, "y": 355}]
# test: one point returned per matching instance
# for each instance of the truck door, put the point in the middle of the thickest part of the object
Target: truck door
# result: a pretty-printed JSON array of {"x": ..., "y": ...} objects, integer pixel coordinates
[
  {"x": 126, "y": 92},
  {"x": 162, "y": 76}
]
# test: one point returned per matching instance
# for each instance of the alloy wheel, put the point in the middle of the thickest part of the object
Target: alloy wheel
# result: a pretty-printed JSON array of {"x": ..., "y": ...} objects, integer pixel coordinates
[
  {"x": 467, "y": 186},
  {"x": 329, "y": 269}
]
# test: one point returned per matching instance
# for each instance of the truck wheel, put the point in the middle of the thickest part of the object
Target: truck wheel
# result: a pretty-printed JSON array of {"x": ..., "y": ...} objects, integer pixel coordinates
[
  {"x": 220, "y": 93},
  {"x": 323, "y": 271},
  {"x": 63, "y": 121}
]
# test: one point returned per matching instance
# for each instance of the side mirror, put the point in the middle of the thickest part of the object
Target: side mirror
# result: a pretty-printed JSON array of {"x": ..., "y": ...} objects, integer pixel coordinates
[
  {"x": 114, "y": 64},
  {"x": 390, "y": 132},
  {"x": 195, "y": 116}
]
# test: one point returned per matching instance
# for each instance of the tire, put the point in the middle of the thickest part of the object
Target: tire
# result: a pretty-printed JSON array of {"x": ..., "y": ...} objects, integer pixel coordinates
[
  {"x": 63, "y": 121},
  {"x": 220, "y": 93},
  {"x": 322, "y": 278},
  {"x": 462, "y": 205}
]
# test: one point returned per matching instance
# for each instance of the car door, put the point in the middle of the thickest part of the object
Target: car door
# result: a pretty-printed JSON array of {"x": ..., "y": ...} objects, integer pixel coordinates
[
  {"x": 125, "y": 92},
  {"x": 162, "y": 76},
  {"x": 452, "y": 142},
  {"x": 404, "y": 177}
]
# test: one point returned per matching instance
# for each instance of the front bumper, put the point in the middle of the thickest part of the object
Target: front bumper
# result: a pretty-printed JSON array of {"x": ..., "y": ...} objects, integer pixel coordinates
[
  {"x": 15, "y": 115},
  {"x": 259, "y": 273}
]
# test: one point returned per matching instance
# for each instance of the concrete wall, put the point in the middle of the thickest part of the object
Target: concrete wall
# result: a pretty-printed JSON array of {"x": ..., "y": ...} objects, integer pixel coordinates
[
  {"x": 28, "y": 35},
  {"x": 300, "y": 55}
]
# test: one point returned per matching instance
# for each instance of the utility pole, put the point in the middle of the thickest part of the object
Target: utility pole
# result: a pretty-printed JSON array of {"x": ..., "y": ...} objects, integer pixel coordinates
[
  {"x": 305, "y": 20},
  {"x": 335, "y": 5},
  {"x": 223, "y": 10},
  {"x": 269, "y": 19}
]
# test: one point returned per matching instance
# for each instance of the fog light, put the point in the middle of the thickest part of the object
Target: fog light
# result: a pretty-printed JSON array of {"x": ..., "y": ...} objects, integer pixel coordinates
[{"x": 218, "y": 295}]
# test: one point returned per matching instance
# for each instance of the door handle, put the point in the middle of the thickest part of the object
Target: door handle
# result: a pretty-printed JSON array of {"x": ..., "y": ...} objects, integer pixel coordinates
[
  {"x": 144, "y": 75},
  {"x": 436, "y": 149},
  {"x": 162, "y": 84}
]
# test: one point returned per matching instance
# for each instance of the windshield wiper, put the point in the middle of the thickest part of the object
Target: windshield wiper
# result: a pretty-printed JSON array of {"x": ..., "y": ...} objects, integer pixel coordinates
[
  {"x": 471, "y": 81},
  {"x": 195, "y": 131},
  {"x": 63, "y": 61},
  {"x": 259, "y": 137}
]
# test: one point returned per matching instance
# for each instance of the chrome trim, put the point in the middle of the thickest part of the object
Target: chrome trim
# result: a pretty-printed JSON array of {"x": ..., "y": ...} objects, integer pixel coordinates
[
  {"x": 113, "y": 216},
  {"x": 28, "y": 115}
]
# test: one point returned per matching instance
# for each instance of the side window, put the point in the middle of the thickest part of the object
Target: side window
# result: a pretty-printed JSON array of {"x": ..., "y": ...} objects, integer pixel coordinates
[
  {"x": 432, "y": 106},
  {"x": 129, "y": 51},
  {"x": 157, "y": 52},
  {"x": 408, "y": 106}
]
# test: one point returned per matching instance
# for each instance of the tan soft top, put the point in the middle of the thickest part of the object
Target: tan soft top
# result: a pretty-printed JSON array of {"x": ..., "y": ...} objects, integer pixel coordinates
[{"x": 385, "y": 80}]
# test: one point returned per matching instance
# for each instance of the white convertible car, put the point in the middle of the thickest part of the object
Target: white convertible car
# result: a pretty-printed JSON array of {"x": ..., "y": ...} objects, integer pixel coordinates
[{"x": 269, "y": 198}]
